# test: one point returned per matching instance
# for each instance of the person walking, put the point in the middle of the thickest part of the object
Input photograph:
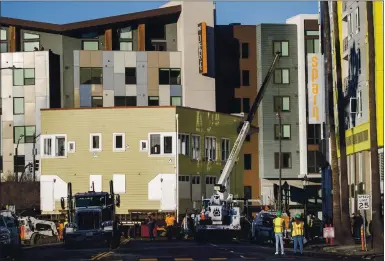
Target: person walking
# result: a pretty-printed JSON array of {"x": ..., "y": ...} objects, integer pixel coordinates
[
  {"x": 279, "y": 225},
  {"x": 170, "y": 220},
  {"x": 151, "y": 227},
  {"x": 297, "y": 233}
]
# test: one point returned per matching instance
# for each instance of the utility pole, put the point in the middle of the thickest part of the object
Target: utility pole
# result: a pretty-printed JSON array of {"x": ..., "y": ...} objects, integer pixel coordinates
[
  {"x": 280, "y": 157},
  {"x": 34, "y": 156}
]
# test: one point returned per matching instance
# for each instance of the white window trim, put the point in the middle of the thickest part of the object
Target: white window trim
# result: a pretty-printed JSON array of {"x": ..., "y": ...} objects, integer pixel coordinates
[
  {"x": 100, "y": 139},
  {"x": 69, "y": 144},
  {"x": 123, "y": 149},
  {"x": 162, "y": 135},
  {"x": 216, "y": 148},
  {"x": 140, "y": 146},
  {"x": 180, "y": 144},
  {"x": 53, "y": 146},
  {"x": 199, "y": 146},
  {"x": 228, "y": 149}
]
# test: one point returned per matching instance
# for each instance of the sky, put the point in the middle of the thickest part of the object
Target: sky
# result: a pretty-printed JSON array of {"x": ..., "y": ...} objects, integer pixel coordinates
[{"x": 227, "y": 12}]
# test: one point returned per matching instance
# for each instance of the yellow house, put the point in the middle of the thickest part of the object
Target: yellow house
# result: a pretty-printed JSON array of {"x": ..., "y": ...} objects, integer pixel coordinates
[{"x": 137, "y": 148}]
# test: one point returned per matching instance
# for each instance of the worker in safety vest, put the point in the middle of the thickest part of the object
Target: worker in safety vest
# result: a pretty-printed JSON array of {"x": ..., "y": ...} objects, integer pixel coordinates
[
  {"x": 279, "y": 225},
  {"x": 170, "y": 220},
  {"x": 297, "y": 233}
]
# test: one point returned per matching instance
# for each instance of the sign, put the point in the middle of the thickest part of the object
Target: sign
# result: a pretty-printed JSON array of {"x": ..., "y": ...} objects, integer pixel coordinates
[
  {"x": 202, "y": 47},
  {"x": 316, "y": 88},
  {"x": 328, "y": 232},
  {"x": 363, "y": 202}
]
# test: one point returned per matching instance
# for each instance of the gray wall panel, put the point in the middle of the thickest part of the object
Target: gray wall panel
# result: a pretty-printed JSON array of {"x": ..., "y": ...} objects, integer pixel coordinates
[
  {"x": 85, "y": 95},
  {"x": 142, "y": 95},
  {"x": 119, "y": 84},
  {"x": 108, "y": 59},
  {"x": 28, "y": 152},
  {"x": 141, "y": 56},
  {"x": 108, "y": 78},
  {"x": 76, "y": 58},
  {"x": 141, "y": 73},
  {"x": 176, "y": 90},
  {"x": 171, "y": 37},
  {"x": 18, "y": 120},
  {"x": 76, "y": 77},
  {"x": 18, "y": 91}
]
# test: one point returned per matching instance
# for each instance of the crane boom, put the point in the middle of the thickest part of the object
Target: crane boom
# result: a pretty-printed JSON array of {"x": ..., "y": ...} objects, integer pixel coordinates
[{"x": 220, "y": 186}]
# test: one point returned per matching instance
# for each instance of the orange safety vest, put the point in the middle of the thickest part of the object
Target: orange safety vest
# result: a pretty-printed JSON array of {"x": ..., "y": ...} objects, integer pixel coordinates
[
  {"x": 297, "y": 229},
  {"x": 22, "y": 235}
]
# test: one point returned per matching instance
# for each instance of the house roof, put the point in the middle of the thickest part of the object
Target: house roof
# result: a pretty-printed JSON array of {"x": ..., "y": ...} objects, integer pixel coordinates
[{"x": 58, "y": 28}]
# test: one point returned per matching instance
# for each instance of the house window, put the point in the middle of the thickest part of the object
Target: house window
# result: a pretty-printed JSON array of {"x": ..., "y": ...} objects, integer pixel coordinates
[
  {"x": 281, "y": 76},
  {"x": 130, "y": 75},
  {"x": 47, "y": 146},
  {"x": 125, "y": 101},
  {"x": 184, "y": 178},
  {"x": 143, "y": 145},
  {"x": 97, "y": 101},
  {"x": 176, "y": 101},
  {"x": 225, "y": 147},
  {"x": 162, "y": 143},
  {"x": 125, "y": 46},
  {"x": 281, "y": 46},
  {"x": 125, "y": 39},
  {"x": 54, "y": 145},
  {"x": 313, "y": 134},
  {"x": 196, "y": 180},
  {"x": 95, "y": 142},
  {"x": 245, "y": 78},
  {"x": 245, "y": 50},
  {"x": 313, "y": 161},
  {"x": 18, "y": 106},
  {"x": 312, "y": 46},
  {"x": 169, "y": 76},
  {"x": 24, "y": 133},
  {"x": 357, "y": 13},
  {"x": 167, "y": 145},
  {"x": 19, "y": 163},
  {"x": 285, "y": 160},
  {"x": 91, "y": 76},
  {"x": 60, "y": 146},
  {"x": 286, "y": 131},
  {"x": 211, "y": 180},
  {"x": 281, "y": 102},
  {"x": 247, "y": 161},
  {"x": 247, "y": 192},
  {"x": 350, "y": 25},
  {"x": 210, "y": 148},
  {"x": 246, "y": 105},
  {"x": 153, "y": 100},
  {"x": 196, "y": 147},
  {"x": 23, "y": 77},
  {"x": 119, "y": 142},
  {"x": 155, "y": 144},
  {"x": 311, "y": 33},
  {"x": 3, "y": 41},
  {"x": 184, "y": 144},
  {"x": 90, "y": 45},
  {"x": 71, "y": 147},
  {"x": 31, "y": 42}
]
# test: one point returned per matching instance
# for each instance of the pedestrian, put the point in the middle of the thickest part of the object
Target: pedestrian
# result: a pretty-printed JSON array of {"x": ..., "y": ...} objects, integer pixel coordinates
[
  {"x": 279, "y": 224},
  {"x": 151, "y": 227},
  {"x": 169, "y": 225},
  {"x": 297, "y": 233}
]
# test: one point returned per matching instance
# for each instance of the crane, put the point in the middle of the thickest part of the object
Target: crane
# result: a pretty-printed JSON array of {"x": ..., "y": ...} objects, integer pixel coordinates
[{"x": 222, "y": 210}]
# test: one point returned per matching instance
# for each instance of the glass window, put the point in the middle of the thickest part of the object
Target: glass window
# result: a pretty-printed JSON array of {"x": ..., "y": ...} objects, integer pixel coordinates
[
  {"x": 126, "y": 33},
  {"x": 131, "y": 101},
  {"x": 126, "y": 46},
  {"x": 312, "y": 45},
  {"x": 19, "y": 134},
  {"x": 18, "y": 106},
  {"x": 245, "y": 50},
  {"x": 281, "y": 102},
  {"x": 281, "y": 76},
  {"x": 176, "y": 101},
  {"x": 29, "y": 36},
  {"x": 285, "y": 76},
  {"x": 29, "y": 134},
  {"x": 19, "y": 163},
  {"x": 246, "y": 105},
  {"x": 130, "y": 75},
  {"x": 97, "y": 101},
  {"x": 245, "y": 78},
  {"x": 155, "y": 144},
  {"x": 3, "y": 47},
  {"x": 285, "y": 49},
  {"x": 91, "y": 45},
  {"x": 175, "y": 76},
  {"x": 95, "y": 142},
  {"x": 164, "y": 76},
  {"x": 60, "y": 148},
  {"x": 3, "y": 35},
  {"x": 286, "y": 129},
  {"x": 18, "y": 77},
  {"x": 247, "y": 161},
  {"x": 153, "y": 100},
  {"x": 96, "y": 75},
  {"x": 167, "y": 144},
  {"x": 31, "y": 46},
  {"x": 120, "y": 101},
  {"x": 225, "y": 149},
  {"x": 281, "y": 46},
  {"x": 85, "y": 75},
  {"x": 29, "y": 76},
  {"x": 118, "y": 141},
  {"x": 312, "y": 33},
  {"x": 285, "y": 160}
]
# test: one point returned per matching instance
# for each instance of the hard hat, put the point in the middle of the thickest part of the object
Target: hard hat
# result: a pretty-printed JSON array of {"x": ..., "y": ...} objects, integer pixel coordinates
[
  {"x": 279, "y": 213},
  {"x": 297, "y": 215}
]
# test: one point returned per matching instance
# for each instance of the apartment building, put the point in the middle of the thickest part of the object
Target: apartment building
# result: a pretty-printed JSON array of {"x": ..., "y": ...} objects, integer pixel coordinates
[
  {"x": 352, "y": 23},
  {"x": 236, "y": 85},
  {"x": 168, "y": 144},
  {"x": 30, "y": 81}
]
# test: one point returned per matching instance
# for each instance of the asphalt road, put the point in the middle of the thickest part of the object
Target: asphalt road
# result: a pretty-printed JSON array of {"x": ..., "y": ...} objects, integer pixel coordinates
[{"x": 138, "y": 250}]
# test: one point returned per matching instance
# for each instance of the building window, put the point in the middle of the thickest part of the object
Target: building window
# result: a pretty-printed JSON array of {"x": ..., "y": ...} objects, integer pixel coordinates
[
  {"x": 90, "y": 45},
  {"x": 247, "y": 192},
  {"x": 313, "y": 161},
  {"x": 97, "y": 101},
  {"x": 167, "y": 145},
  {"x": 3, "y": 41},
  {"x": 236, "y": 106},
  {"x": 210, "y": 148},
  {"x": 245, "y": 50},
  {"x": 176, "y": 101},
  {"x": 313, "y": 134},
  {"x": 130, "y": 75},
  {"x": 23, "y": 77},
  {"x": 196, "y": 180},
  {"x": 18, "y": 106},
  {"x": 248, "y": 138},
  {"x": 359, "y": 104},
  {"x": 312, "y": 46},
  {"x": 60, "y": 146},
  {"x": 95, "y": 142},
  {"x": 143, "y": 145},
  {"x": 285, "y": 160},
  {"x": 247, "y": 161},
  {"x": 184, "y": 144},
  {"x": 281, "y": 76},
  {"x": 125, "y": 39},
  {"x": 245, "y": 78},
  {"x": 169, "y": 76},
  {"x": 24, "y": 133},
  {"x": 54, "y": 146},
  {"x": 71, "y": 147},
  {"x": 211, "y": 180},
  {"x": 196, "y": 147},
  {"x": 311, "y": 33},
  {"x": 286, "y": 131},
  {"x": 281, "y": 102},
  {"x": 91, "y": 76},
  {"x": 125, "y": 101},
  {"x": 119, "y": 142},
  {"x": 162, "y": 143},
  {"x": 19, "y": 163},
  {"x": 225, "y": 147},
  {"x": 155, "y": 144},
  {"x": 281, "y": 46},
  {"x": 246, "y": 105},
  {"x": 182, "y": 178},
  {"x": 153, "y": 100},
  {"x": 31, "y": 42},
  {"x": 357, "y": 13}
]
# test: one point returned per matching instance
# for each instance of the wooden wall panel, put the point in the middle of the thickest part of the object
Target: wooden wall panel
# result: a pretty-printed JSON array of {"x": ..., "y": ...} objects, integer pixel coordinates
[
  {"x": 12, "y": 39},
  {"x": 142, "y": 37},
  {"x": 108, "y": 40}
]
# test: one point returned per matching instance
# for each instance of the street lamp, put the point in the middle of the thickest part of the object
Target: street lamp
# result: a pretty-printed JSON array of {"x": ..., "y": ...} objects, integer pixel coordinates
[
  {"x": 305, "y": 183},
  {"x": 16, "y": 154}
]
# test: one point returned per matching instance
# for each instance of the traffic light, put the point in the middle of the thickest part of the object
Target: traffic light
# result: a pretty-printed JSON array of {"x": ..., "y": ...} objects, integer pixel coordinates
[{"x": 36, "y": 165}]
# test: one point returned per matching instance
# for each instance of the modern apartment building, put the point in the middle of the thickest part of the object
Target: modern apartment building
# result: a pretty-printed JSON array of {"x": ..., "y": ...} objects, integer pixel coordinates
[
  {"x": 30, "y": 81},
  {"x": 144, "y": 162},
  {"x": 353, "y": 30}
]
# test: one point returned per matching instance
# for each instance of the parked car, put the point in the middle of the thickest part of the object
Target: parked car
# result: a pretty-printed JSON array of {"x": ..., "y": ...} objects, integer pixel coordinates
[
  {"x": 13, "y": 226},
  {"x": 5, "y": 238},
  {"x": 262, "y": 227}
]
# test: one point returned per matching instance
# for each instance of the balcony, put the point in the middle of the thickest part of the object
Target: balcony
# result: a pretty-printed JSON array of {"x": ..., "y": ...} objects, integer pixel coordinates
[
  {"x": 345, "y": 48},
  {"x": 345, "y": 87}
]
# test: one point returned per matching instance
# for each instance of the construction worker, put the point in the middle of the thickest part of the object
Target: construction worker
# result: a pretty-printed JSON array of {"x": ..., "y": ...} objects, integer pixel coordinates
[
  {"x": 279, "y": 224},
  {"x": 297, "y": 233},
  {"x": 170, "y": 220}
]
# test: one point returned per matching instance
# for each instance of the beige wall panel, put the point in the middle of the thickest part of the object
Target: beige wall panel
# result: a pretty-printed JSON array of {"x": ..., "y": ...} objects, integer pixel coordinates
[
  {"x": 8, "y": 150},
  {"x": 153, "y": 92},
  {"x": 30, "y": 113},
  {"x": 85, "y": 58},
  {"x": 7, "y": 131},
  {"x": 152, "y": 59},
  {"x": 97, "y": 90},
  {"x": 96, "y": 59},
  {"x": 29, "y": 60},
  {"x": 76, "y": 98},
  {"x": 164, "y": 95},
  {"x": 29, "y": 94},
  {"x": 153, "y": 78},
  {"x": 108, "y": 98},
  {"x": 164, "y": 60},
  {"x": 20, "y": 149},
  {"x": 175, "y": 60},
  {"x": 129, "y": 59},
  {"x": 130, "y": 90},
  {"x": 8, "y": 167}
]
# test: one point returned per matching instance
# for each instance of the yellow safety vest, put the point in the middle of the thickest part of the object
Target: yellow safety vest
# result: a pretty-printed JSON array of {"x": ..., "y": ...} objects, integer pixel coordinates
[
  {"x": 297, "y": 229},
  {"x": 278, "y": 225}
]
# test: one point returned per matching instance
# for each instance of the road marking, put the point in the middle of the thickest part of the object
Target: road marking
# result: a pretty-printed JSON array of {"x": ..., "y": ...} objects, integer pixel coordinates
[
  {"x": 183, "y": 259},
  {"x": 248, "y": 258},
  {"x": 218, "y": 258},
  {"x": 94, "y": 257},
  {"x": 101, "y": 255}
]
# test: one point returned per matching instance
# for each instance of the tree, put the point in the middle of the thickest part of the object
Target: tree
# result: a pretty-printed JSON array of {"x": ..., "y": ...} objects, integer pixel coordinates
[
  {"x": 332, "y": 129},
  {"x": 345, "y": 217},
  {"x": 377, "y": 221}
]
